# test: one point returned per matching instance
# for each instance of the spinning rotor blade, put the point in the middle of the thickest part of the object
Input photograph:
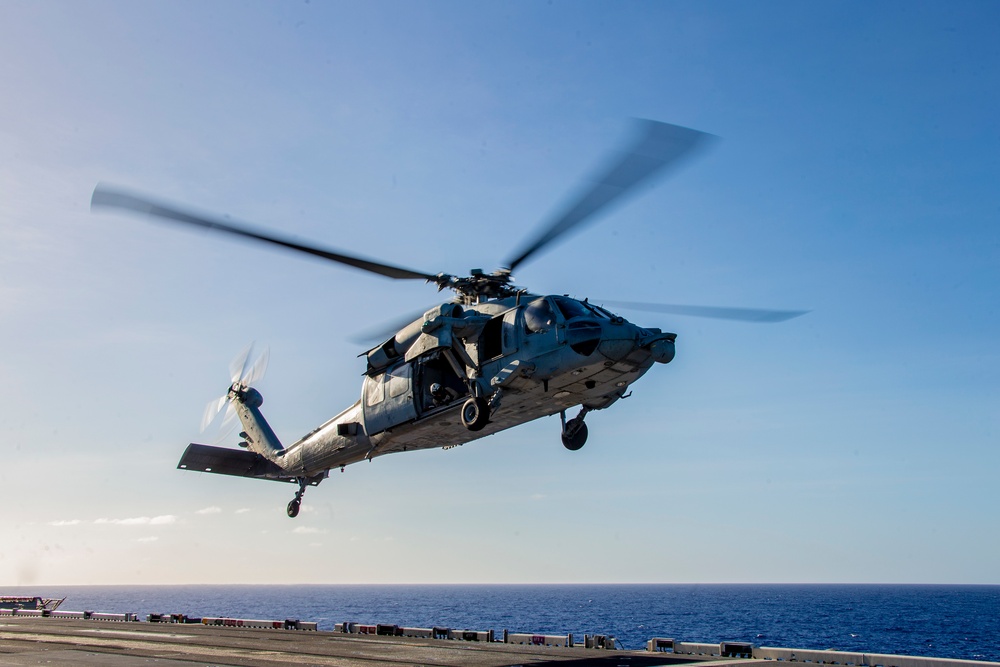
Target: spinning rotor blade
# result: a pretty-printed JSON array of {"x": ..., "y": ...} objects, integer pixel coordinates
[
  {"x": 228, "y": 423},
  {"x": 716, "y": 312},
  {"x": 658, "y": 146},
  {"x": 243, "y": 371},
  {"x": 240, "y": 371},
  {"x": 212, "y": 411},
  {"x": 112, "y": 198},
  {"x": 239, "y": 364},
  {"x": 258, "y": 368},
  {"x": 379, "y": 333}
]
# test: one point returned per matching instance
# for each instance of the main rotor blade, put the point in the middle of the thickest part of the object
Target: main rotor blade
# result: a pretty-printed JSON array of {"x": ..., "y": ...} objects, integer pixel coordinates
[
  {"x": 657, "y": 146},
  {"x": 112, "y": 198},
  {"x": 381, "y": 332},
  {"x": 716, "y": 312}
]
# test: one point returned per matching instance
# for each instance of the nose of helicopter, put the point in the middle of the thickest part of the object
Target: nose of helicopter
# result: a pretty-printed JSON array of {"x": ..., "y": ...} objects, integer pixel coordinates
[
  {"x": 618, "y": 340},
  {"x": 584, "y": 335},
  {"x": 614, "y": 340}
]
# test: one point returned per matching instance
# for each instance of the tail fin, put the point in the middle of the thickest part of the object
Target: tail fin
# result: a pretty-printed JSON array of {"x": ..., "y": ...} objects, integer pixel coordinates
[{"x": 257, "y": 433}]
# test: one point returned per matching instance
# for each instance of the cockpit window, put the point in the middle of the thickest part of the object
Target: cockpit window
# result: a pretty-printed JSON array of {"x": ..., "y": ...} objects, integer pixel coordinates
[
  {"x": 602, "y": 311},
  {"x": 538, "y": 316},
  {"x": 571, "y": 308}
]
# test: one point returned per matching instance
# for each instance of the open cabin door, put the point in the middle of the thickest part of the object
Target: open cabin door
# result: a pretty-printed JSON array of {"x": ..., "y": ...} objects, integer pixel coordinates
[
  {"x": 388, "y": 398},
  {"x": 499, "y": 337}
]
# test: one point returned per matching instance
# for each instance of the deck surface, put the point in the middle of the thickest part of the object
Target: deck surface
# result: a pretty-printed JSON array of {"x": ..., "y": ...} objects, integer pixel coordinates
[{"x": 71, "y": 642}]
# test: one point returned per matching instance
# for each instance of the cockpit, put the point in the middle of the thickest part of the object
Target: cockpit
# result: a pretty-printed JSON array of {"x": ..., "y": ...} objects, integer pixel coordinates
[
  {"x": 539, "y": 315},
  {"x": 584, "y": 321},
  {"x": 571, "y": 308}
]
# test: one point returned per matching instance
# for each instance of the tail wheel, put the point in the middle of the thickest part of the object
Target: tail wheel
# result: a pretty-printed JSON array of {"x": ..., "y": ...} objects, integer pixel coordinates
[
  {"x": 475, "y": 413},
  {"x": 575, "y": 436},
  {"x": 294, "y": 503}
]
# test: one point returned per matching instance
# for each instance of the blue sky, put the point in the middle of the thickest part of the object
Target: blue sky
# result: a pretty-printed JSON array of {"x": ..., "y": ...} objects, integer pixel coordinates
[{"x": 855, "y": 176}]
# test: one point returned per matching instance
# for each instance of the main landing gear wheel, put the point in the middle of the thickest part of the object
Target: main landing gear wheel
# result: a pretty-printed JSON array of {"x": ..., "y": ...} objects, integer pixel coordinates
[
  {"x": 475, "y": 413},
  {"x": 575, "y": 435},
  {"x": 296, "y": 502}
]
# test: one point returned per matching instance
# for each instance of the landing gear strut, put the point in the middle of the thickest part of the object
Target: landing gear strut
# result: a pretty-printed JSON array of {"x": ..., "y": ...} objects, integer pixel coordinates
[
  {"x": 293, "y": 505},
  {"x": 574, "y": 431}
]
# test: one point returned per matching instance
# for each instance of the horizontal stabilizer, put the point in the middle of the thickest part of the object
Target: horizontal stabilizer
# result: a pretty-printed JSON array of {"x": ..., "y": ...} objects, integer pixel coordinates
[{"x": 238, "y": 462}]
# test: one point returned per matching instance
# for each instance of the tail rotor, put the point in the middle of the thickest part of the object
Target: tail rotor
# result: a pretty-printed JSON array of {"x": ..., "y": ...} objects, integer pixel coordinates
[{"x": 243, "y": 374}]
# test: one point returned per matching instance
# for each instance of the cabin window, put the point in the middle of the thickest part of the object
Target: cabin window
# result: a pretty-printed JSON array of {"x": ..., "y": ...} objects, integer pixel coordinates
[
  {"x": 539, "y": 316},
  {"x": 398, "y": 380},
  {"x": 374, "y": 390}
]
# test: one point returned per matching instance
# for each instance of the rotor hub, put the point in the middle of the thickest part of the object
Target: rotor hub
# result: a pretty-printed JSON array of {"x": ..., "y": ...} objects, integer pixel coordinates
[{"x": 479, "y": 285}]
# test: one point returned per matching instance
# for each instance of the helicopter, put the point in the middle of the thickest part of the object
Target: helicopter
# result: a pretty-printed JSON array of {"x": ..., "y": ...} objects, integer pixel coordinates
[{"x": 493, "y": 357}]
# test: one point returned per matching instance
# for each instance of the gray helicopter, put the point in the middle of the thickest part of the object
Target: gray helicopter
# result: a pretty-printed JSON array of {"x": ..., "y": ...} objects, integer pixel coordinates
[{"x": 494, "y": 357}]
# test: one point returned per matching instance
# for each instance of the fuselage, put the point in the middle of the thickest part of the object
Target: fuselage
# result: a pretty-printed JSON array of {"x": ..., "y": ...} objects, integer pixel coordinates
[{"x": 533, "y": 356}]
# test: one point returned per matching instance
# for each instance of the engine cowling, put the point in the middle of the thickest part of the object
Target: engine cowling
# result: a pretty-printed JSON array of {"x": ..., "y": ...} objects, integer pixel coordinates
[{"x": 396, "y": 347}]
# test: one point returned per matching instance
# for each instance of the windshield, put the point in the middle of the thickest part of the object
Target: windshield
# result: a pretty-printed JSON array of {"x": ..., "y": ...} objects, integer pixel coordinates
[{"x": 571, "y": 308}]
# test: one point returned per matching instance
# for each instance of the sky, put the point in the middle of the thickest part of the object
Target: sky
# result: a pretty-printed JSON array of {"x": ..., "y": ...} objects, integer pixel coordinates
[{"x": 855, "y": 176}]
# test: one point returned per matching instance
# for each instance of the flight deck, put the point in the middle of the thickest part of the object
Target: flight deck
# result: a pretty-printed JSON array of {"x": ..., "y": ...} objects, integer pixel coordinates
[
  {"x": 121, "y": 640},
  {"x": 61, "y": 642}
]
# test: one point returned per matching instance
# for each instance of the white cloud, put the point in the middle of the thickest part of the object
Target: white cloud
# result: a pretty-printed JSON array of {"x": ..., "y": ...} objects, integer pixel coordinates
[
  {"x": 243, "y": 510},
  {"x": 147, "y": 539},
  {"x": 162, "y": 520},
  {"x": 209, "y": 510},
  {"x": 64, "y": 522}
]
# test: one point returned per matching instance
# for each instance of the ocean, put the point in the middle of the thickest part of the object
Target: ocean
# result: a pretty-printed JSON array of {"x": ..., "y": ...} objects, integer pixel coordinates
[{"x": 931, "y": 620}]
